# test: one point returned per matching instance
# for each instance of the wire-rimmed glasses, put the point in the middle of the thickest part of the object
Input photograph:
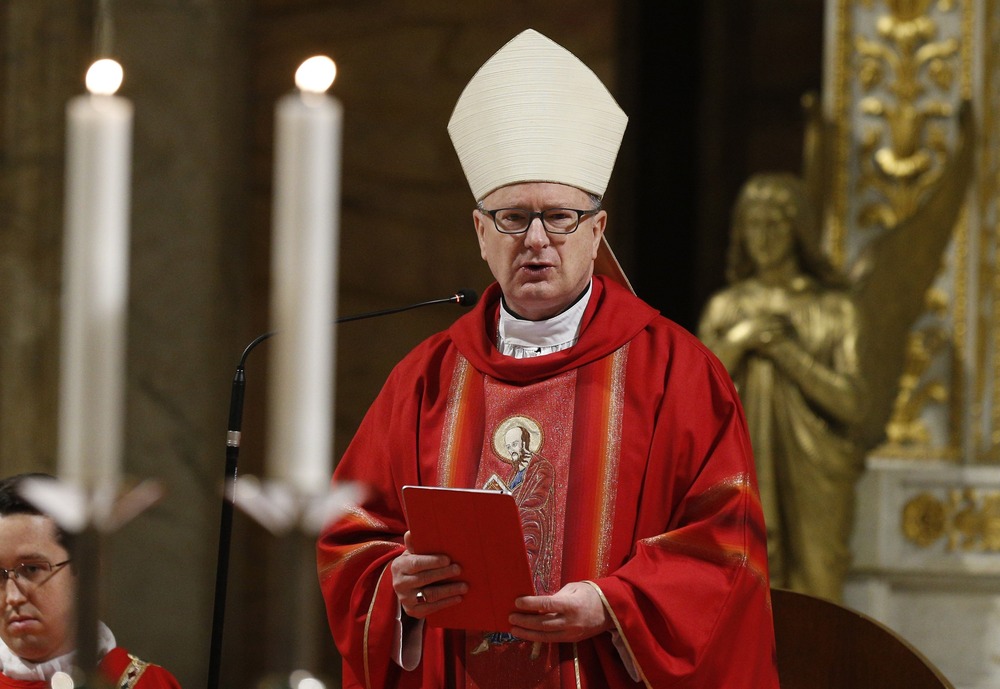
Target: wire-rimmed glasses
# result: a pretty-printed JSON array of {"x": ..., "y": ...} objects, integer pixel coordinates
[{"x": 30, "y": 574}]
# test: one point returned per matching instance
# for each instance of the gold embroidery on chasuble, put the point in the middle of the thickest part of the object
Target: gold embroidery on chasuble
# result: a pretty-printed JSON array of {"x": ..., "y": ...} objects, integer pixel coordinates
[
  {"x": 133, "y": 672},
  {"x": 526, "y": 452},
  {"x": 528, "y": 446},
  {"x": 454, "y": 422},
  {"x": 724, "y": 547}
]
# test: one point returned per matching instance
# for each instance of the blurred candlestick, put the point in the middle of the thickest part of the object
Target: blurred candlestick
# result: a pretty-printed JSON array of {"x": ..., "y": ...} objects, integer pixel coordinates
[
  {"x": 95, "y": 281},
  {"x": 305, "y": 235}
]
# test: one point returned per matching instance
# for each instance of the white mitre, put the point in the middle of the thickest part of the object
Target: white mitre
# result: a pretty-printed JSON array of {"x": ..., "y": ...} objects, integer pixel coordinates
[{"x": 535, "y": 113}]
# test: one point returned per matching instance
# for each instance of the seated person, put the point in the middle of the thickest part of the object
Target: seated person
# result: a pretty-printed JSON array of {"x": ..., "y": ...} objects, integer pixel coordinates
[{"x": 37, "y": 629}]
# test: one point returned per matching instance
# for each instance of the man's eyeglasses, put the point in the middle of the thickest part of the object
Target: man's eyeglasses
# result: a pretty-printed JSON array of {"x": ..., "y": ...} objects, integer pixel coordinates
[
  {"x": 554, "y": 220},
  {"x": 31, "y": 573}
]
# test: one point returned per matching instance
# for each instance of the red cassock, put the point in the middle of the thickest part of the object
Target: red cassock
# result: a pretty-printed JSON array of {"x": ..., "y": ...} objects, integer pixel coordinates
[
  {"x": 123, "y": 670},
  {"x": 629, "y": 458}
]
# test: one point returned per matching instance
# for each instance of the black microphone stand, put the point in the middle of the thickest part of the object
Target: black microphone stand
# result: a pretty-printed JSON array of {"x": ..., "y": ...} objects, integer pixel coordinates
[{"x": 465, "y": 297}]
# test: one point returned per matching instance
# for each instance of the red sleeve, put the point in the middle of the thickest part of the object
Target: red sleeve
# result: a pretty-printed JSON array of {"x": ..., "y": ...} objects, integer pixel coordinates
[
  {"x": 692, "y": 602},
  {"x": 355, "y": 552}
]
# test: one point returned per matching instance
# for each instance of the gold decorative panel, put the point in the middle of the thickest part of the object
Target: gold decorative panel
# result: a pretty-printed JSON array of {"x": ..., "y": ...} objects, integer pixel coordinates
[
  {"x": 906, "y": 75},
  {"x": 898, "y": 71},
  {"x": 918, "y": 385},
  {"x": 987, "y": 198},
  {"x": 966, "y": 520}
]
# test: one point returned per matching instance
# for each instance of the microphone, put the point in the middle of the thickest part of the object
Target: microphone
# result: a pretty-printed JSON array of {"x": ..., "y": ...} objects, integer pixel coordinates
[
  {"x": 466, "y": 297},
  {"x": 463, "y": 297}
]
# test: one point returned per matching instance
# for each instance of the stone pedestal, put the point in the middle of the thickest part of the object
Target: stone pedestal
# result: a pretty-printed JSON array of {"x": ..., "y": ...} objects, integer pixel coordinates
[{"x": 927, "y": 562}]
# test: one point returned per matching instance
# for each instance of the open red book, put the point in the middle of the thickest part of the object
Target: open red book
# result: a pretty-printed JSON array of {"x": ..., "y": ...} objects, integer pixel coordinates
[{"x": 481, "y": 531}]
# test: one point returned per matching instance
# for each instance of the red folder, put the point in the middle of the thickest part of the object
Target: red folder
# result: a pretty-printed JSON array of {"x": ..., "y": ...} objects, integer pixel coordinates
[{"x": 481, "y": 531}]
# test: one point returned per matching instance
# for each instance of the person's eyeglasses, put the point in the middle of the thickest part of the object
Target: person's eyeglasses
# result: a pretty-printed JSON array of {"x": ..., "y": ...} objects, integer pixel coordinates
[
  {"x": 554, "y": 220},
  {"x": 31, "y": 573}
]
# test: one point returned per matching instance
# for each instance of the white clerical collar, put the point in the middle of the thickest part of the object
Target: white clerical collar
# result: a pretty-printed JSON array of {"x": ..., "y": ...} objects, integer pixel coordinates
[
  {"x": 16, "y": 667},
  {"x": 522, "y": 339}
]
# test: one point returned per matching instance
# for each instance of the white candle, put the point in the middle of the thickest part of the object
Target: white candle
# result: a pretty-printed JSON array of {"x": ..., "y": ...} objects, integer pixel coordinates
[
  {"x": 95, "y": 281},
  {"x": 304, "y": 280}
]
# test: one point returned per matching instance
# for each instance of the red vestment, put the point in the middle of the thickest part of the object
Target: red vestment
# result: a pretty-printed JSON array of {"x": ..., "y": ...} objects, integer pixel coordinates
[
  {"x": 124, "y": 671},
  {"x": 643, "y": 484}
]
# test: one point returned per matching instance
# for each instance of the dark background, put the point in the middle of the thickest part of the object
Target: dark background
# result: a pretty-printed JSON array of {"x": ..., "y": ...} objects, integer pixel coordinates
[{"x": 715, "y": 89}]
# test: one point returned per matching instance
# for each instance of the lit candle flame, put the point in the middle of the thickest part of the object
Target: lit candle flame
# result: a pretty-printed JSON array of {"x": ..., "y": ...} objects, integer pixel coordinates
[
  {"x": 316, "y": 74},
  {"x": 104, "y": 77}
]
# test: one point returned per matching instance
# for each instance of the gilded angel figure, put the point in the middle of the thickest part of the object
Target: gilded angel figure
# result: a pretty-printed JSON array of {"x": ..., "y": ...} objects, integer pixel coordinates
[
  {"x": 788, "y": 335},
  {"x": 816, "y": 356}
]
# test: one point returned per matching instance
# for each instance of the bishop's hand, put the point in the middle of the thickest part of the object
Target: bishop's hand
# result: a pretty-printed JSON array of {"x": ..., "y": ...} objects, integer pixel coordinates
[{"x": 425, "y": 583}]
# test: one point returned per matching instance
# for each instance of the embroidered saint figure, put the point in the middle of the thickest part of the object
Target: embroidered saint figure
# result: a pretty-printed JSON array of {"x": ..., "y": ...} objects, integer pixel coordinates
[{"x": 531, "y": 483}]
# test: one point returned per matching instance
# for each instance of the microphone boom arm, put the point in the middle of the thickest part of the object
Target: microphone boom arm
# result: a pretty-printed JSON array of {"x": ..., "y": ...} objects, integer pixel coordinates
[{"x": 465, "y": 297}]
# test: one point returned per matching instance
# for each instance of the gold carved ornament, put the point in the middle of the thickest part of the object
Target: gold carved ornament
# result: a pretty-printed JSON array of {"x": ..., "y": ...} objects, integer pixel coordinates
[
  {"x": 906, "y": 74},
  {"x": 968, "y": 520},
  {"x": 904, "y": 168}
]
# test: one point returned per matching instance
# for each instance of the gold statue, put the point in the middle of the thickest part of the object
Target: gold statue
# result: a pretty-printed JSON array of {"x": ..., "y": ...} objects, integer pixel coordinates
[
  {"x": 787, "y": 331},
  {"x": 816, "y": 356}
]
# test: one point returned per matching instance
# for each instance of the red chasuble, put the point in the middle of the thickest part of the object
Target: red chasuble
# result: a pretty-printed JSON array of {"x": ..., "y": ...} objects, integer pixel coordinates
[
  {"x": 629, "y": 459},
  {"x": 123, "y": 670}
]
